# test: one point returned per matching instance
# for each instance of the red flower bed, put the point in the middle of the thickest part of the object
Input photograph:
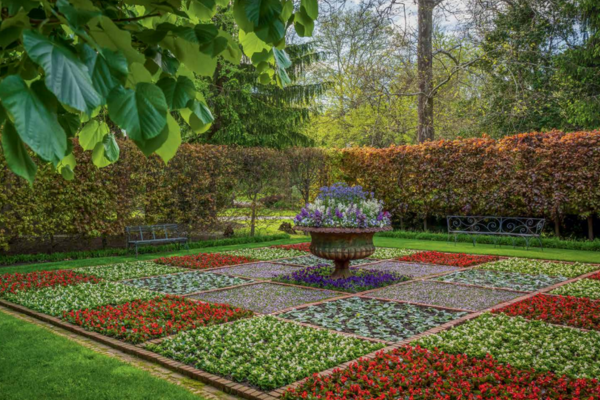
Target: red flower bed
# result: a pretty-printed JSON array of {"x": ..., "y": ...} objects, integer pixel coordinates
[
  {"x": 203, "y": 260},
  {"x": 142, "y": 320},
  {"x": 41, "y": 279},
  {"x": 299, "y": 246},
  {"x": 572, "y": 311},
  {"x": 452, "y": 259},
  {"x": 415, "y": 373},
  {"x": 595, "y": 276}
]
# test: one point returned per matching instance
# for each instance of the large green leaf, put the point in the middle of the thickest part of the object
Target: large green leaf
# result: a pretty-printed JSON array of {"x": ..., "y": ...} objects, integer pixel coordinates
[
  {"x": 198, "y": 116},
  {"x": 99, "y": 157},
  {"x": 108, "y": 69},
  {"x": 111, "y": 148},
  {"x": 232, "y": 52},
  {"x": 188, "y": 53},
  {"x": 66, "y": 76},
  {"x": 262, "y": 12},
  {"x": 16, "y": 155},
  {"x": 142, "y": 112},
  {"x": 66, "y": 167},
  {"x": 92, "y": 133},
  {"x": 108, "y": 35},
  {"x": 76, "y": 16},
  {"x": 36, "y": 125},
  {"x": 203, "y": 10},
  {"x": 311, "y": 7},
  {"x": 169, "y": 148},
  {"x": 177, "y": 92}
]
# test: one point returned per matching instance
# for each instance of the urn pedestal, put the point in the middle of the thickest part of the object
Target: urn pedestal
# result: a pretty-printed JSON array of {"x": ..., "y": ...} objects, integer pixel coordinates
[{"x": 342, "y": 245}]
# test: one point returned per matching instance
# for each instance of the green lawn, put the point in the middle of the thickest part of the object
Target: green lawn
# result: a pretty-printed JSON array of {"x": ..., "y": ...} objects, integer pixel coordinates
[
  {"x": 549, "y": 254},
  {"x": 37, "y": 364}
]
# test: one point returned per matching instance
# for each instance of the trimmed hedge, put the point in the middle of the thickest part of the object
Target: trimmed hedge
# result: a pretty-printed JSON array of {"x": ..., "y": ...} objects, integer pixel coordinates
[
  {"x": 550, "y": 243},
  {"x": 548, "y": 174},
  {"x": 77, "y": 255}
]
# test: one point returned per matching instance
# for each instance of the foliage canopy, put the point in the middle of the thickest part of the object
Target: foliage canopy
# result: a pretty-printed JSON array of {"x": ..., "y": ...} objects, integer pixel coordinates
[{"x": 129, "y": 63}]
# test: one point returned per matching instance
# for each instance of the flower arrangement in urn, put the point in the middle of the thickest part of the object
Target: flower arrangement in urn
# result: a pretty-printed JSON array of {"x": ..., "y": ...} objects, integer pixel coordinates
[
  {"x": 342, "y": 221},
  {"x": 343, "y": 206}
]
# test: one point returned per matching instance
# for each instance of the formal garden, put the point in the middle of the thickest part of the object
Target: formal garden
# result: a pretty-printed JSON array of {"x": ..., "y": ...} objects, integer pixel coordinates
[{"x": 299, "y": 199}]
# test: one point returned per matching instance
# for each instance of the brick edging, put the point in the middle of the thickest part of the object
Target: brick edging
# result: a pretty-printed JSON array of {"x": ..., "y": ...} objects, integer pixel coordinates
[{"x": 219, "y": 382}]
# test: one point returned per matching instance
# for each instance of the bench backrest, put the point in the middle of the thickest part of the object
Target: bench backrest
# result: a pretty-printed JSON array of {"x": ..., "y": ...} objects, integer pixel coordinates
[
  {"x": 151, "y": 232},
  {"x": 515, "y": 226}
]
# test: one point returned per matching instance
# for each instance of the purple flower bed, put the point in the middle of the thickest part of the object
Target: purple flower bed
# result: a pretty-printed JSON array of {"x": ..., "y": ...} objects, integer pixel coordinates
[
  {"x": 260, "y": 270},
  {"x": 413, "y": 270},
  {"x": 361, "y": 279}
]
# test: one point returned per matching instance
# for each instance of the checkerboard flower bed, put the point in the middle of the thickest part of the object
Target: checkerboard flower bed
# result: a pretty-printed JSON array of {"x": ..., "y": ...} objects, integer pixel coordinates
[
  {"x": 359, "y": 281},
  {"x": 260, "y": 270},
  {"x": 264, "y": 352},
  {"x": 186, "y": 283},
  {"x": 142, "y": 320},
  {"x": 130, "y": 270},
  {"x": 535, "y": 267},
  {"x": 13, "y": 283},
  {"x": 385, "y": 253},
  {"x": 312, "y": 260},
  {"x": 413, "y": 270},
  {"x": 412, "y": 372},
  {"x": 589, "y": 288},
  {"x": 266, "y": 297},
  {"x": 371, "y": 318},
  {"x": 499, "y": 279},
  {"x": 298, "y": 246},
  {"x": 595, "y": 276},
  {"x": 266, "y": 253},
  {"x": 452, "y": 259},
  {"x": 56, "y": 300},
  {"x": 203, "y": 260},
  {"x": 523, "y": 344},
  {"x": 446, "y": 295},
  {"x": 572, "y": 311}
]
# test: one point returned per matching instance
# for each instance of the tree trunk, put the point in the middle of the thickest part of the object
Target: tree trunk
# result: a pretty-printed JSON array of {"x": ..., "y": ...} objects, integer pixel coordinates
[
  {"x": 590, "y": 223},
  {"x": 425, "y": 224},
  {"x": 557, "y": 226},
  {"x": 425, "y": 70}
]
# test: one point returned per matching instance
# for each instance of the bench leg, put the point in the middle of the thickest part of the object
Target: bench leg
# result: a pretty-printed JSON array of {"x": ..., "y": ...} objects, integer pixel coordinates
[
  {"x": 455, "y": 239},
  {"x": 527, "y": 242},
  {"x": 541, "y": 244}
]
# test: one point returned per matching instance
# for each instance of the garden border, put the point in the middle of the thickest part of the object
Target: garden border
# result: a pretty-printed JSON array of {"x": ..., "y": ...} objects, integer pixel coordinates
[{"x": 244, "y": 390}]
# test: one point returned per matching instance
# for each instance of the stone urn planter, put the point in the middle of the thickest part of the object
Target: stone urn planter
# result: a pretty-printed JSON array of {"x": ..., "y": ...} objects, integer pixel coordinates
[{"x": 342, "y": 245}]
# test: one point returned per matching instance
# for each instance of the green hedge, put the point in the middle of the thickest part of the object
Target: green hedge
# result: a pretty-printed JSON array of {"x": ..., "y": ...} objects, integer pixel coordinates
[
  {"x": 550, "y": 243},
  {"x": 77, "y": 255}
]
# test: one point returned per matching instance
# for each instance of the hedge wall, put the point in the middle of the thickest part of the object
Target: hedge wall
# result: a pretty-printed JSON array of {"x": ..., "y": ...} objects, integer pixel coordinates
[
  {"x": 536, "y": 174},
  {"x": 101, "y": 202}
]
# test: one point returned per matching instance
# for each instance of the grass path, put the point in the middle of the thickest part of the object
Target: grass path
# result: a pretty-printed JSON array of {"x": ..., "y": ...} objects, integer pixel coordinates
[{"x": 36, "y": 363}]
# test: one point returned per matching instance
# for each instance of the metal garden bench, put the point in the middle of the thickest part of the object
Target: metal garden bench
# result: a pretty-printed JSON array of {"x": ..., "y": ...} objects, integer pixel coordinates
[
  {"x": 154, "y": 234},
  {"x": 515, "y": 227}
]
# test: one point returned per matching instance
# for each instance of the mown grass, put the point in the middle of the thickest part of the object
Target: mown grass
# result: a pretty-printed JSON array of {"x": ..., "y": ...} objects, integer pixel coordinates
[{"x": 38, "y": 364}]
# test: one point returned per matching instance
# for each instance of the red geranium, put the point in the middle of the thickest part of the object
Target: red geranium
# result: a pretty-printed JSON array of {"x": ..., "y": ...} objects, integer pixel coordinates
[
  {"x": 142, "y": 320},
  {"x": 452, "y": 259},
  {"x": 595, "y": 276},
  {"x": 299, "y": 246},
  {"x": 563, "y": 310},
  {"x": 203, "y": 260},
  {"x": 415, "y": 373},
  {"x": 41, "y": 279}
]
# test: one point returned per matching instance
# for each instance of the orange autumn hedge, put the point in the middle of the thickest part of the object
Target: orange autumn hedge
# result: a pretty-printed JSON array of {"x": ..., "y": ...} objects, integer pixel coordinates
[{"x": 535, "y": 174}]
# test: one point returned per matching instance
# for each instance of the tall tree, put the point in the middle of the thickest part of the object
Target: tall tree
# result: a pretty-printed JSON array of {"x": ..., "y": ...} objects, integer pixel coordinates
[{"x": 425, "y": 130}]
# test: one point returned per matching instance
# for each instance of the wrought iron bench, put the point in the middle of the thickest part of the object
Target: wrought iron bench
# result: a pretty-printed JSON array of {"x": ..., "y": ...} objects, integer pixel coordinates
[
  {"x": 154, "y": 234},
  {"x": 515, "y": 227}
]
